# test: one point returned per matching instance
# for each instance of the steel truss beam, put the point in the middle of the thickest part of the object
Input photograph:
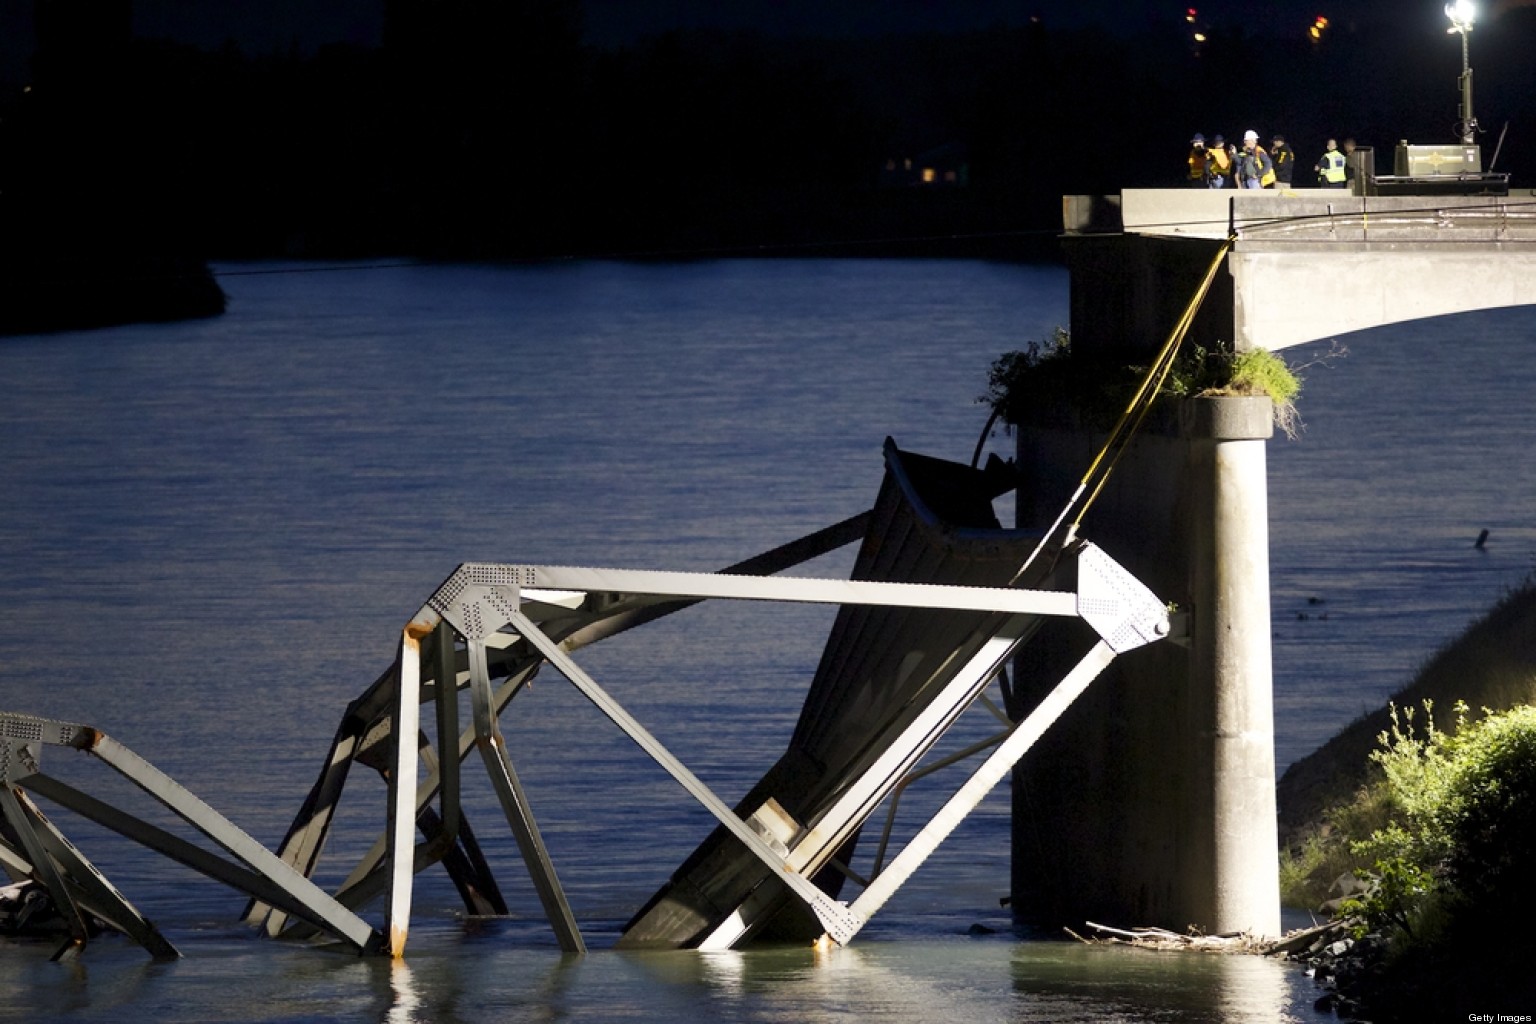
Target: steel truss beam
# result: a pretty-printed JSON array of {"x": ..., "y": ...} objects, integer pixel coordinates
[
  {"x": 367, "y": 731},
  {"x": 74, "y": 883},
  {"x": 503, "y": 622},
  {"x": 497, "y": 604}
]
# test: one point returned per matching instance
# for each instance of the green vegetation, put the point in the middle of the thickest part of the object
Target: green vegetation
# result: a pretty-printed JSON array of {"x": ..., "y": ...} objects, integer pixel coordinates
[
  {"x": 1492, "y": 664},
  {"x": 1046, "y": 382},
  {"x": 1438, "y": 857}
]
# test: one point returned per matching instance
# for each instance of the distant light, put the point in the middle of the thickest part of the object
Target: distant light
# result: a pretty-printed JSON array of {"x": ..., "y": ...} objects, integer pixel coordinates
[
  {"x": 1199, "y": 37},
  {"x": 1190, "y": 15}
]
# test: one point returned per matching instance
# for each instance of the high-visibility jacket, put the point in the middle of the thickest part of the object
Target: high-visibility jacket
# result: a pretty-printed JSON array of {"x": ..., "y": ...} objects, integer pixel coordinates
[
  {"x": 1220, "y": 161},
  {"x": 1197, "y": 161},
  {"x": 1333, "y": 166}
]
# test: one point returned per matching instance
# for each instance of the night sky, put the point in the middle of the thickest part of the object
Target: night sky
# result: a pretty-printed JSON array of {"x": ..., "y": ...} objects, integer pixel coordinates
[
  {"x": 275, "y": 26},
  {"x": 265, "y": 26}
]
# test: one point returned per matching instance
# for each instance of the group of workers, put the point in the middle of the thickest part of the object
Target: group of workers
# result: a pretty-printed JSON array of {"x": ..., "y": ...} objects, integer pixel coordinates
[{"x": 1219, "y": 164}]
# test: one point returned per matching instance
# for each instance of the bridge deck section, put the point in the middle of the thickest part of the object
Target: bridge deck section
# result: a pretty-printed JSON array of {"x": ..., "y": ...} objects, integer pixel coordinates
[{"x": 1307, "y": 264}]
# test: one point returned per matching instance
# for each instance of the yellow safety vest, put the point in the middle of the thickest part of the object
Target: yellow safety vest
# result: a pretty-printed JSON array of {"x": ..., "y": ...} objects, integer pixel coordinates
[{"x": 1334, "y": 169}]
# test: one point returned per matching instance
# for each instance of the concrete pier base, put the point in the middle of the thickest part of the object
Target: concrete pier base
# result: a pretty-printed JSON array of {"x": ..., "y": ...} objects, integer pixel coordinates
[{"x": 1153, "y": 801}]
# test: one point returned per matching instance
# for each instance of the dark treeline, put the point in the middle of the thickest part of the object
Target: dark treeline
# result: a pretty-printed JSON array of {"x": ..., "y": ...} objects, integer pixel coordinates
[{"x": 484, "y": 128}]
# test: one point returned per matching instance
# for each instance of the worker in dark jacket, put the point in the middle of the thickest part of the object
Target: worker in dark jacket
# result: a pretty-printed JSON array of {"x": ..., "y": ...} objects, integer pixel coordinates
[{"x": 1285, "y": 161}]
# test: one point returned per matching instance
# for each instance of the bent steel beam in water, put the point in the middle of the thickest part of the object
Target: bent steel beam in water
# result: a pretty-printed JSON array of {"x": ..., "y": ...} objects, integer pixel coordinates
[
  {"x": 43, "y": 853},
  {"x": 890, "y": 683}
]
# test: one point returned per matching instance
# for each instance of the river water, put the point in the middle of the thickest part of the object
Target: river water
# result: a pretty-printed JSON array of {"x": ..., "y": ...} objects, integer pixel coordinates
[{"x": 211, "y": 533}]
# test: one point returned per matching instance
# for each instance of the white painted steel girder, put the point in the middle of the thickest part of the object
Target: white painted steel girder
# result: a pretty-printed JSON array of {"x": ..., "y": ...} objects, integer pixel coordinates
[{"x": 484, "y": 600}]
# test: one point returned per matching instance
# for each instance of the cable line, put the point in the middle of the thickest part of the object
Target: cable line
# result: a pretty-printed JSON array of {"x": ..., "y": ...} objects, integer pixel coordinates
[{"x": 1135, "y": 411}]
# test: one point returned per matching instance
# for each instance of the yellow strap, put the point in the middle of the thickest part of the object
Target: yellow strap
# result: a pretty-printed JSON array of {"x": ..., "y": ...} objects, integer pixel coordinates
[{"x": 1141, "y": 403}]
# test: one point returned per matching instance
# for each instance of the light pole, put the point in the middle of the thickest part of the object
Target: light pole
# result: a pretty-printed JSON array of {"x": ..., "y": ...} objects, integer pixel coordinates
[{"x": 1462, "y": 13}]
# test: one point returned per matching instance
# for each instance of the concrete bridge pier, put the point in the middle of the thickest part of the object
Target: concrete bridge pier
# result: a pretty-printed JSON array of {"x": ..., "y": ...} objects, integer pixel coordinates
[
  {"x": 1152, "y": 802},
  {"x": 1234, "y": 634}
]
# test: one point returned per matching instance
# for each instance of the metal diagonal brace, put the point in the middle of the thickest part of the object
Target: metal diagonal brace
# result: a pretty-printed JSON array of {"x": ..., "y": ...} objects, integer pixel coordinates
[
  {"x": 1126, "y": 615},
  {"x": 338, "y": 919},
  {"x": 981, "y": 782},
  {"x": 89, "y": 888},
  {"x": 13, "y": 811},
  {"x": 514, "y": 801},
  {"x": 832, "y": 914}
]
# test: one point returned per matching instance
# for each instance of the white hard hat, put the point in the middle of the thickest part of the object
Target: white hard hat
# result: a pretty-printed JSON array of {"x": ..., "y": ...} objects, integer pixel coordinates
[{"x": 1250, "y": 136}]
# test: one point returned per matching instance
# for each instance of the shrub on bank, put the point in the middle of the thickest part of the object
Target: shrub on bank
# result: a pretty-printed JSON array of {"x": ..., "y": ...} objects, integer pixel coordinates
[{"x": 1439, "y": 856}]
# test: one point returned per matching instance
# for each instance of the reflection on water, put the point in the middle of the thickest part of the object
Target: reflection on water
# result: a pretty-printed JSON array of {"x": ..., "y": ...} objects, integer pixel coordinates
[
  {"x": 1137, "y": 984},
  {"x": 406, "y": 1006},
  {"x": 899, "y": 983}
]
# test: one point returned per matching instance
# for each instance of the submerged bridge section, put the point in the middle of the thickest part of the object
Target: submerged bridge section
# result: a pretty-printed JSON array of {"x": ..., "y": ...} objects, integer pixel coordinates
[
  {"x": 940, "y": 598},
  {"x": 1304, "y": 265}
]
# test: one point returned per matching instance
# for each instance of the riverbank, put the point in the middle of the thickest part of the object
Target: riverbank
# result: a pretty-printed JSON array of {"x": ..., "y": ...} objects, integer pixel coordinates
[
  {"x": 1414, "y": 828},
  {"x": 1491, "y": 665},
  {"x": 40, "y": 296}
]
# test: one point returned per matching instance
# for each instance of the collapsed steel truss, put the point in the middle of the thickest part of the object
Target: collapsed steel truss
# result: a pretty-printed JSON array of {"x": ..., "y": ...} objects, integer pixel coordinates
[
  {"x": 498, "y": 604},
  {"x": 488, "y": 629},
  {"x": 32, "y": 848}
]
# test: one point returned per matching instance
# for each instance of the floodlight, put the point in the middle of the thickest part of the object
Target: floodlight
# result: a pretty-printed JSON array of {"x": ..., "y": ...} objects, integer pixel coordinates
[{"x": 1462, "y": 13}]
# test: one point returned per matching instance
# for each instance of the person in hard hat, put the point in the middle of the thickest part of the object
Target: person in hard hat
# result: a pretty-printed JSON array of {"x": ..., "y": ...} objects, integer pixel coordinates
[
  {"x": 1218, "y": 163},
  {"x": 1197, "y": 160},
  {"x": 1285, "y": 161},
  {"x": 1253, "y": 163},
  {"x": 1330, "y": 169}
]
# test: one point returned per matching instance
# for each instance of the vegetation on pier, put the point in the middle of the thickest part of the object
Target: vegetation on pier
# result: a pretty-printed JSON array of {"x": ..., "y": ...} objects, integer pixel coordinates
[{"x": 1046, "y": 378}]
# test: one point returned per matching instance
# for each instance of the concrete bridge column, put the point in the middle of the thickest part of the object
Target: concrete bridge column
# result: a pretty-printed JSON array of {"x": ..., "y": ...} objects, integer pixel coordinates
[
  {"x": 1152, "y": 801},
  {"x": 1233, "y": 632}
]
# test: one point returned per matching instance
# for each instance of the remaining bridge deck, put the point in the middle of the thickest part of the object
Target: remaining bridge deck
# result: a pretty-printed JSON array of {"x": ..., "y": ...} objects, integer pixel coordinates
[{"x": 1307, "y": 264}]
